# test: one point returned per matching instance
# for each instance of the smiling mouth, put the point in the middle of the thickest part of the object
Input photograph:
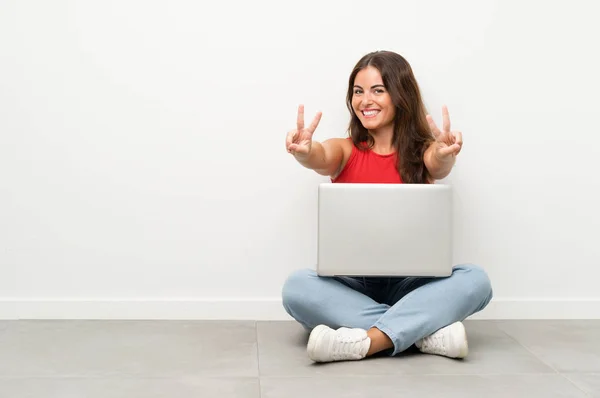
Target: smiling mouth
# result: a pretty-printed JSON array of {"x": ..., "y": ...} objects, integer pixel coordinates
[{"x": 370, "y": 113}]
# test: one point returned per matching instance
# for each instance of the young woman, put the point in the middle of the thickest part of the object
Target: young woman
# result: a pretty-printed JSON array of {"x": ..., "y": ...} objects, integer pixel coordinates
[{"x": 391, "y": 140}]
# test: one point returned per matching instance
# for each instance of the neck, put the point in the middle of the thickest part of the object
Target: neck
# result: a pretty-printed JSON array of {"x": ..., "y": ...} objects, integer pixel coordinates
[{"x": 383, "y": 140}]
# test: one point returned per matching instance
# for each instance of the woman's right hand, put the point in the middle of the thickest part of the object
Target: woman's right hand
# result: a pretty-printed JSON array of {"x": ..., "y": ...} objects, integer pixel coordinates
[{"x": 299, "y": 142}]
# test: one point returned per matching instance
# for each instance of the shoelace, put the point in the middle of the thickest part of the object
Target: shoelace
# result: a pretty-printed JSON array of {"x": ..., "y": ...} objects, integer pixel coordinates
[{"x": 347, "y": 343}]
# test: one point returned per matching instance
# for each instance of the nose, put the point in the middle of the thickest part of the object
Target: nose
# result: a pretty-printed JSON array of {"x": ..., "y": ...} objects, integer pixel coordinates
[{"x": 366, "y": 99}]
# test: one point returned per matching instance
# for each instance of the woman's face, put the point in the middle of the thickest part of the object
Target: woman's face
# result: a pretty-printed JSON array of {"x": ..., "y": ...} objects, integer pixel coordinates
[{"x": 371, "y": 101}]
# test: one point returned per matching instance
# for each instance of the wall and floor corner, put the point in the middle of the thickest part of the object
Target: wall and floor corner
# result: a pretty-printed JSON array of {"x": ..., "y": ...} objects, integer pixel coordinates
[{"x": 142, "y": 165}]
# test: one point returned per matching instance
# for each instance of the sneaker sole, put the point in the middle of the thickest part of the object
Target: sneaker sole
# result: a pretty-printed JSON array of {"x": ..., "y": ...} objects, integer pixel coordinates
[{"x": 313, "y": 340}]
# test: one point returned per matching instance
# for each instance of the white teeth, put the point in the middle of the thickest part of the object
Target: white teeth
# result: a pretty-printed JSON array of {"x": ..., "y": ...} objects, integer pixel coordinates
[{"x": 370, "y": 113}]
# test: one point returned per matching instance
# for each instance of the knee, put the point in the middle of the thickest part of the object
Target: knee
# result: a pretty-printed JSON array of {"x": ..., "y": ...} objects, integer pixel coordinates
[
  {"x": 479, "y": 286},
  {"x": 295, "y": 289}
]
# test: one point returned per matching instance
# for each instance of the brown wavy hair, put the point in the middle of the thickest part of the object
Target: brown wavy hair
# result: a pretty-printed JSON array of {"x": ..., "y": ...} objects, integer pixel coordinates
[{"x": 412, "y": 135}]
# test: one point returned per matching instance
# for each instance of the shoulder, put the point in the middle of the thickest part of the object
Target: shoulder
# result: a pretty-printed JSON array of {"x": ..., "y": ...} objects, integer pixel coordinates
[
  {"x": 343, "y": 142},
  {"x": 346, "y": 148},
  {"x": 343, "y": 145}
]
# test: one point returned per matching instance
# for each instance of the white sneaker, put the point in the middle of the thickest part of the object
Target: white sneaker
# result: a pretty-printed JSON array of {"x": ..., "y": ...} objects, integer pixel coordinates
[
  {"x": 344, "y": 344},
  {"x": 450, "y": 341}
]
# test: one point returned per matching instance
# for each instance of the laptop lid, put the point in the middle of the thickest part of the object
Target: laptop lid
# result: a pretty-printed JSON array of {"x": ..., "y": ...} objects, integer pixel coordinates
[{"x": 384, "y": 230}]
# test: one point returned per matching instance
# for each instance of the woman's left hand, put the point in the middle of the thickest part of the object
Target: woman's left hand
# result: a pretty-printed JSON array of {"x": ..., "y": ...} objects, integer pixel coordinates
[{"x": 447, "y": 143}]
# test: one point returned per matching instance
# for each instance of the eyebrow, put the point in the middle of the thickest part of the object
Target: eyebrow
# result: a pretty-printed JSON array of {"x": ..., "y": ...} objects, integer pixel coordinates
[{"x": 376, "y": 85}]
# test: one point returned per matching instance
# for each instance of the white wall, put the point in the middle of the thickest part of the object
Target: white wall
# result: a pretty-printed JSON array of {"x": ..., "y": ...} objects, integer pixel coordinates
[{"x": 142, "y": 164}]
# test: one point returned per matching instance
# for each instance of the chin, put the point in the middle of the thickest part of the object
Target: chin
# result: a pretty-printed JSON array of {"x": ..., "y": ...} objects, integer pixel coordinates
[{"x": 371, "y": 126}]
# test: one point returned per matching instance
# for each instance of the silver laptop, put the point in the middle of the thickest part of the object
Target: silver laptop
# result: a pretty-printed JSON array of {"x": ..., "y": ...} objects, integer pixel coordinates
[{"x": 384, "y": 230}]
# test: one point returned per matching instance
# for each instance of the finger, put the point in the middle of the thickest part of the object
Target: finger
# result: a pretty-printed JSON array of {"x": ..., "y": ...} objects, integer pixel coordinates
[
  {"x": 458, "y": 137},
  {"x": 295, "y": 148},
  {"x": 315, "y": 123},
  {"x": 289, "y": 139},
  {"x": 458, "y": 150},
  {"x": 446, "y": 119},
  {"x": 300, "y": 120},
  {"x": 433, "y": 127},
  {"x": 450, "y": 150}
]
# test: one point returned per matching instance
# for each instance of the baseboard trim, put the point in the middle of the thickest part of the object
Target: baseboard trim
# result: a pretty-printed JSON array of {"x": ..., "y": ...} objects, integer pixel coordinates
[
  {"x": 267, "y": 308},
  {"x": 541, "y": 308}
]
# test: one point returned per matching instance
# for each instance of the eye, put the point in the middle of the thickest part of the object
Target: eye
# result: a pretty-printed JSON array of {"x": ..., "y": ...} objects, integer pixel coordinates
[
  {"x": 357, "y": 91},
  {"x": 379, "y": 91}
]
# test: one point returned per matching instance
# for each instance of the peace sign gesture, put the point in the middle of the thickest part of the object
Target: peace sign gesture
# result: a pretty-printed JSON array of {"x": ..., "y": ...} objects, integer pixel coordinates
[
  {"x": 447, "y": 143},
  {"x": 299, "y": 142}
]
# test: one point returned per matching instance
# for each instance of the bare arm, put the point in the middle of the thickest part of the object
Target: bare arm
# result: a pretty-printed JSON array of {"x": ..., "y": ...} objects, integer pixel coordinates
[{"x": 325, "y": 158}]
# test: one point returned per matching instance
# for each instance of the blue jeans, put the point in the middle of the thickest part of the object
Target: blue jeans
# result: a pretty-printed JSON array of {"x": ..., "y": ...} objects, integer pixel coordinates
[{"x": 405, "y": 309}]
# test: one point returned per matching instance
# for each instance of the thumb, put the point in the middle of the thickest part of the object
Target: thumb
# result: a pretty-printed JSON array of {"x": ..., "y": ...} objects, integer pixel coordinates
[
  {"x": 448, "y": 151},
  {"x": 295, "y": 148}
]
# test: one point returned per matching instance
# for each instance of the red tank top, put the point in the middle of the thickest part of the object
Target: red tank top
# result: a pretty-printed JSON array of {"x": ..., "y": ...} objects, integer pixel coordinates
[{"x": 366, "y": 166}]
